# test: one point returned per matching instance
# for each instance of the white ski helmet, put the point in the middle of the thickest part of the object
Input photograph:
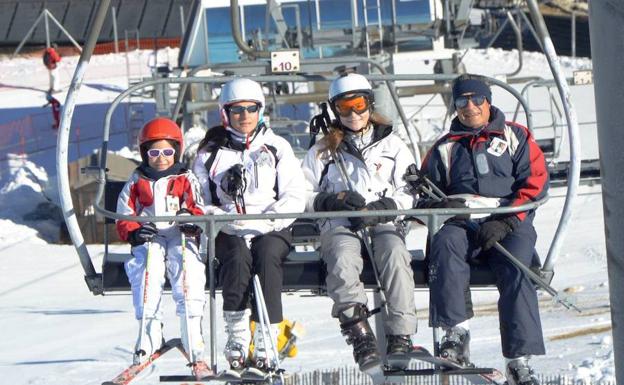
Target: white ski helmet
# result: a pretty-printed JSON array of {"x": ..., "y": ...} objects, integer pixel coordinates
[
  {"x": 349, "y": 84},
  {"x": 239, "y": 90}
]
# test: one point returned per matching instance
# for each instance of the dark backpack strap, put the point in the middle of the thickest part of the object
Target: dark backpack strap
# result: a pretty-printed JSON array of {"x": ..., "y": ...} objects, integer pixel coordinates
[
  {"x": 319, "y": 123},
  {"x": 273, "y": 151},
  {"x": 212, "y": 186}
]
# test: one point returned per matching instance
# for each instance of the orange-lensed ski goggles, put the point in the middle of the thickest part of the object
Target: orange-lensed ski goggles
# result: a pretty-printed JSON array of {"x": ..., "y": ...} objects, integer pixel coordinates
[{"x": 357, "y": 103}]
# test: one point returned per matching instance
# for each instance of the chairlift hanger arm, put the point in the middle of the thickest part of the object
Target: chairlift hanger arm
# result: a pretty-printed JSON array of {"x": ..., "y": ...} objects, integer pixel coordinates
[
  {"x": 574, "y": 173},
  {"x": 63, "y": 143}
]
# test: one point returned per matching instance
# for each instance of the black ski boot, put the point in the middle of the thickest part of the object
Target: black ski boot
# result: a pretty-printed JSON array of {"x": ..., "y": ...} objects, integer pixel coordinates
[
  {"x": 455, "y": 346},
  {"x": 355, "y": 327},
  {"x": 398, "y": 344},
  {"x": 519, "y": 372}
]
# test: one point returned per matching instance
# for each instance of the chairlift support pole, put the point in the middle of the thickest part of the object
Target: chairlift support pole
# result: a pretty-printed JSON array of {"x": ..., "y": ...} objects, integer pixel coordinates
[
  {"x": 115, "y": 35},
  {"x": 45, "y": 14},
  {"x": 237, "y": 36},
  {"x": 354, "y": 23},
  {"x": 25, "y": 39},
  {"x": 182, "y": 21},
  {"x": 60, "y": 26},
  {"x": 518, "y": 32},
  {"x": 47, "y": 27},
  {"x": 62, "y": 151},
  {"x": 606, "y": 24}
]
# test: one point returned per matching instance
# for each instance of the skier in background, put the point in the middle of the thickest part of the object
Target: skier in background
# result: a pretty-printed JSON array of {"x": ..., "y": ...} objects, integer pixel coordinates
[
  {"x": 374, "y": 160},
  {"x": 51, "y": 59},
  {"x": 245, "y": 168},
  {"x": 162, "y": 186},
  {"x": 484, "y": 155},
  {"x": 56, "y": 109}
]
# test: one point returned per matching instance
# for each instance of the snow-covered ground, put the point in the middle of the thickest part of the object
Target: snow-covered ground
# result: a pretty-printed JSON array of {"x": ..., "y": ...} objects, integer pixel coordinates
[{"x": 55, "y": 332}]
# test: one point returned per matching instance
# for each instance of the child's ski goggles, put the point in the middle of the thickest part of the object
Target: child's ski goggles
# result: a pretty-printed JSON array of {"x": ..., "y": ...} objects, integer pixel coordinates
[{"x": 155, "y": 152}]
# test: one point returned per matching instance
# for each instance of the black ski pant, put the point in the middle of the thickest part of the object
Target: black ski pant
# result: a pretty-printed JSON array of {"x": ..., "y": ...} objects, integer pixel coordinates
[
  {"x": 452, "y": 250},
  {"x": 240, "y": 263}
]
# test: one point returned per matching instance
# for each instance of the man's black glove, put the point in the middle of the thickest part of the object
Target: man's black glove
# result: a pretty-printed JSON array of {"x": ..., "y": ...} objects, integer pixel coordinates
[
  {"x": 187, "y": 228},
  {"x": 232, "y": 182},
  {"x": 342, "y": 201},
  {"x": 358, "y": 223},
  {"x": 496, "y": 229},
  {"x": 145, "y": 233},
  {"x": 414, "y": 178}
]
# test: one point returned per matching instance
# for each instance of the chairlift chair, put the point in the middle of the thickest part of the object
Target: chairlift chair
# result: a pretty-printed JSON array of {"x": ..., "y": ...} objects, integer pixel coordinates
[{"x": 303, "y": 270}]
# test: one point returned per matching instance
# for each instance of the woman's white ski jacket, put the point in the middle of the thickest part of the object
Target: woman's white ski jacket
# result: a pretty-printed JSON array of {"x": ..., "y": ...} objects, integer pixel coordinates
[
  {"x": 375, "y": 171},
  {"x": 272, "y": 176}
]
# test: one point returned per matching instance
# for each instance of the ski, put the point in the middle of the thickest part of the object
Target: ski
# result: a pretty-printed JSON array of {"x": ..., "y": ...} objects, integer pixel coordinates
[
  {"x": 397, "y": 364},
  {"x": 133, "y": 371},
  {"x": 248, "y": 376}
]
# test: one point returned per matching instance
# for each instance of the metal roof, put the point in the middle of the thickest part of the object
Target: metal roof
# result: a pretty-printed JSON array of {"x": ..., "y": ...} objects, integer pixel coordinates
[{"x": 152, "y": 18}]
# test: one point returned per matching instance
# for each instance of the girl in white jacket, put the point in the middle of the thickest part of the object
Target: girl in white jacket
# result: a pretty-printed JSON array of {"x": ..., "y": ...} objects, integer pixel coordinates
[
  {"x": 373, "y": 159},
  {"x": 245, "y": 168}
]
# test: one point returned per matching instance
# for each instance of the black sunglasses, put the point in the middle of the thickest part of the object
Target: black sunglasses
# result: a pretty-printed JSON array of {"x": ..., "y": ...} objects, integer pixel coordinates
[
  {"x": 240, "y": 109},
  {"x": 462, "y": 101}
]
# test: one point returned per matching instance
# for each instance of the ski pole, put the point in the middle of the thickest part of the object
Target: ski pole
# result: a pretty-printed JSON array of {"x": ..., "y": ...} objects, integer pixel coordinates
[
  {"x": 436, "y": 193},
  {"x": 363, "y": 233},
  {"x": 186, "y": 302},
  {"x": 537, "y": 279},
  {"x": 265, "y": 322},
  {"x": 140, "y": 351}
]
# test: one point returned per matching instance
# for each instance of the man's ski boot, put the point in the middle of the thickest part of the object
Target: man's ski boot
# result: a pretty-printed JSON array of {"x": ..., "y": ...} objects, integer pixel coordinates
[
  {"x": 239, "y": 338},
  {"x": 355, "y": 327},
  {"x": 519, "y": 372},
  {"x": 455, "y": 346},
  {"x": 149, "y": 342}
]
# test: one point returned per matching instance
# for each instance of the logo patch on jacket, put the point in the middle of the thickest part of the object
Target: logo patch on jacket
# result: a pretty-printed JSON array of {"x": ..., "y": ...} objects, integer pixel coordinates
[
  {"x": 262, "y": 157},
  {"x": 497, "y": 147}
]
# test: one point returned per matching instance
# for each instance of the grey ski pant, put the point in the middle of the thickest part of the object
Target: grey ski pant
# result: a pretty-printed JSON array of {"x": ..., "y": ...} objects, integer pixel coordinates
[{"x": 341, "y": 249}]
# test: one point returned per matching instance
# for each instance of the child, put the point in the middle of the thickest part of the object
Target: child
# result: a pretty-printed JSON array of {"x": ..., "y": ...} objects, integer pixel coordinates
[{"x": 162, "y": 186}]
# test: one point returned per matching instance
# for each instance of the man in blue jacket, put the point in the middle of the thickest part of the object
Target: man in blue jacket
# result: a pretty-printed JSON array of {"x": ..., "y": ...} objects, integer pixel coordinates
[{"x": 484, "y": 155}]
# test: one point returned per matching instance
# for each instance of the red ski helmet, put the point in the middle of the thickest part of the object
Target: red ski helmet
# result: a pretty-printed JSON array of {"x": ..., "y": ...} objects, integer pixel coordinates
[{"x": 159, "y": 129}]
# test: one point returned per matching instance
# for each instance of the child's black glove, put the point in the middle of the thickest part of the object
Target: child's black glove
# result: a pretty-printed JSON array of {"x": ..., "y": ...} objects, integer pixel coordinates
[
  {"x": 145, "y": 233},
  {"x": 187, "y": 228}
]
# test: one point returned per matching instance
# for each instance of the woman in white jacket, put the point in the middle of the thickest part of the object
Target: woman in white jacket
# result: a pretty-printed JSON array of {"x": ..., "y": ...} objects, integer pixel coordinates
[
  {"x": 245, "y": 168},
  {"x": 374, "y": 161}
]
